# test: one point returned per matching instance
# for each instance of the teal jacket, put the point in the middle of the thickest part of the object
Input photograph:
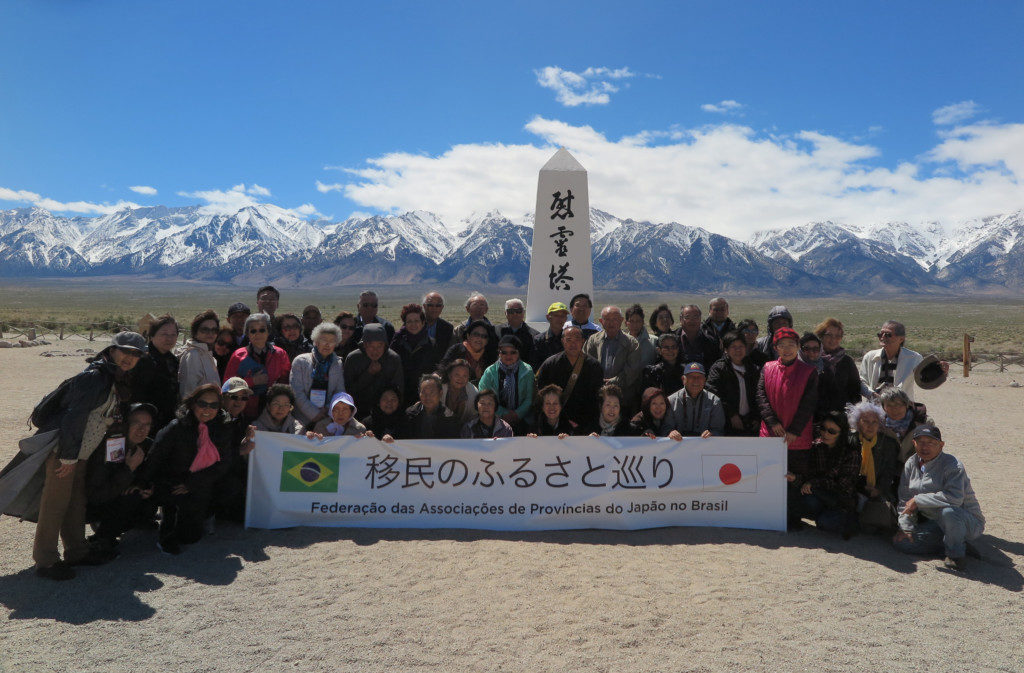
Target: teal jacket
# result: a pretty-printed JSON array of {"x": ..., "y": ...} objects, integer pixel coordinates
[{"x": 527, "y": 384}]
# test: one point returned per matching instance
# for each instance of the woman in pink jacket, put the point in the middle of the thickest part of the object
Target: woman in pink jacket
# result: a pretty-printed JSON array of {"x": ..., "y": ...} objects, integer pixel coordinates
[{"x": 261, "y": 364}]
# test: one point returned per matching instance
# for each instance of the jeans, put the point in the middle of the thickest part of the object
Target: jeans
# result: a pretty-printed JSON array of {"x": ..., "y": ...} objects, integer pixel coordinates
[
  {"x": 826, "y": 514},
  {"x": 948, "y": 533}
]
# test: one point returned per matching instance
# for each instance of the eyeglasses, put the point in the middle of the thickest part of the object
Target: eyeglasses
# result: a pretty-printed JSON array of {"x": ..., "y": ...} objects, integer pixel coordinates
[
  {"x": 478, "y": 335},
  {"x": 513, "y": 310},
  {"x": 885, "y": 335},
  {"x": 239, "y": 398},
  {"x": 207, "y": 330},
  {"x": 669, "y": 345},
  {"x": 280, "y": 405},
  {"x": 830, "y": 431},
  {"x": 811, "y": 349},
  {"x": 365, "y": 305},
  {"x": 203, "y": 404},
  {"x": 258, "y": 330}
]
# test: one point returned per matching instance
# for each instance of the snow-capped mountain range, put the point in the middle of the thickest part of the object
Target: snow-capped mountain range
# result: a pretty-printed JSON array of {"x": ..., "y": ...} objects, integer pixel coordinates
[{"x": 265, "y": 243}]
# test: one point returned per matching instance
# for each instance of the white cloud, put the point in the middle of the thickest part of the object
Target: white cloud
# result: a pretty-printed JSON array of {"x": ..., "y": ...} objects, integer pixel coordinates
[
  {"x": 230, "y": 201},
  {"x": 727, "y": 177},
  {"x": 588, "y": 87},
  {"x": 308, "y": 210},
  {"x": 84, "y": 207},
  {"x": 334, "y": 187},
  {"x": 956, "y": 112},
  {"x": 723, "y": 107},
  {"x": 256, "y": 190},
  {"x": 143, "y": 189}
]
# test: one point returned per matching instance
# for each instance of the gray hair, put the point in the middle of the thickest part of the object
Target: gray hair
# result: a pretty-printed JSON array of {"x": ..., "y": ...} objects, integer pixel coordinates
[
  {"x": 897, "y": 327},
  {"x": 472, "y": 296},
  {"x": 514, "y": 300},
  {"x": 855, "y": 411},
  {"x": 718, "y": 300},
  {"x": 325, "y": 328},
  {"x": 367, "y": 293},
  {"x": 891, "y": 394},
  {"x": 693, "y": 306},
  {"x": 257, "y": 317}
]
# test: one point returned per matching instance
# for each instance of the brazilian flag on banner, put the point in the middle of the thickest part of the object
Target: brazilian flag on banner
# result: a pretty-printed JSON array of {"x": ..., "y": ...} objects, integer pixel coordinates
[{"x": 303, "y": 472}]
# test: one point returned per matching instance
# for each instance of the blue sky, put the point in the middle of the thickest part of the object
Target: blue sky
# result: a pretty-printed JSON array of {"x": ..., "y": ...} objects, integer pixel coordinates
[{"x": 728, "y": 115}]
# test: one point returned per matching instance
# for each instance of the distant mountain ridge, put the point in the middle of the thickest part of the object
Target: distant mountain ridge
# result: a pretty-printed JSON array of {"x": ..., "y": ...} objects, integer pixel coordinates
[{"x": 265, "y": 243}]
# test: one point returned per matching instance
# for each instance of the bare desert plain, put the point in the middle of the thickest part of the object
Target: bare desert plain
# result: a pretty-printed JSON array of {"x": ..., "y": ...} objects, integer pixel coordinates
[{"x": 671, "y": 599}]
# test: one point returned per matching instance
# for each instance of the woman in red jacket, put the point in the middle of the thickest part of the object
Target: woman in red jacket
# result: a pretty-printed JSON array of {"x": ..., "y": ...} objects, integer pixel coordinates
[
  {"x": 787, "y": 394},
  {"x": 261, "y": 364}
]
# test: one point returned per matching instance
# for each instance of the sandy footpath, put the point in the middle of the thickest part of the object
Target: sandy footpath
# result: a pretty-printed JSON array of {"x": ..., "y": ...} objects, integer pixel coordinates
[{"x": 677, "y": 599}]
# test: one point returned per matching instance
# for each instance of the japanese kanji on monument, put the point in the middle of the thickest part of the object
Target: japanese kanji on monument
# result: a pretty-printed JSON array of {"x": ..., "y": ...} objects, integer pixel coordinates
[{"x": 560, "y": 264}]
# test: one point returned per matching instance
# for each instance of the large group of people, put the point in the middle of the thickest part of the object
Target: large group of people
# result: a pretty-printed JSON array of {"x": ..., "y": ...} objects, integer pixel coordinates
[{"x": 152, "y": 425}]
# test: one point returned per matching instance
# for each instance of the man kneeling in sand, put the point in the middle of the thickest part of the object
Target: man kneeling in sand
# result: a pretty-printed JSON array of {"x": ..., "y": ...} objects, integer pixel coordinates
[{"x": 938, "y": 509}]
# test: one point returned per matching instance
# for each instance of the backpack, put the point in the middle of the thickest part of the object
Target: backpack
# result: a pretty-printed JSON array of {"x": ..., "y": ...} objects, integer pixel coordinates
[{"x": 46, "y": 411}]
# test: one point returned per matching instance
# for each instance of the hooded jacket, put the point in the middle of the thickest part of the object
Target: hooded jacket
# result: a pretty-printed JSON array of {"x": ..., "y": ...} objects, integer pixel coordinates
[
  {"x": 196, "y": 366},
  {"x": 764, "y": 344}
]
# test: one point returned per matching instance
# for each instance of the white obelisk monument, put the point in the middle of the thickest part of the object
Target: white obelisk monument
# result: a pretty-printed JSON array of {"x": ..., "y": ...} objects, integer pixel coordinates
[{"x": 560, "y": 264}]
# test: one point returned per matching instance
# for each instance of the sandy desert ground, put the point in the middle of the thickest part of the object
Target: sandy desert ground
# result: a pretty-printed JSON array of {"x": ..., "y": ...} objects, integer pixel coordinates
[{"x": 677, "y": 599}]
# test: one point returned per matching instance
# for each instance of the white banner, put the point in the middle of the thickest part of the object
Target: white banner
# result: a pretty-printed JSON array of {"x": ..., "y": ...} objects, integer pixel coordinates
[{"x": 518, "y": 483}]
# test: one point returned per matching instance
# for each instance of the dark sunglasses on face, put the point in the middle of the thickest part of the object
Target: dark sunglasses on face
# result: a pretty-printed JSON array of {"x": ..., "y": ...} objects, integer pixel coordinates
[
  {"x": 513, "y": 310},
  {"x": 830, "y": 431},
  {"x": 226, "y": 344},
  {"x": 751, "y": 330},
  {"x": 258, "y": 330},
  {"x": 202, "y": 404},
  {"x": 885, "y": 335},
  {"x": 239, "y": 398}
]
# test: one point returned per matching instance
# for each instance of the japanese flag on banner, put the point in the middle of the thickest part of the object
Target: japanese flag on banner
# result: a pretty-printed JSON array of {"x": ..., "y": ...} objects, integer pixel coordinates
[{"x": 737, "y": 474}]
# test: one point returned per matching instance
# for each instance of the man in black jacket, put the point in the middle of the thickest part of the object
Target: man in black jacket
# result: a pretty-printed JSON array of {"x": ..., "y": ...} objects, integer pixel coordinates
[
  {"x": 549, "y": 342},
  {"x": 515, "y": 313},
  {"x": 718, "y": 321},
  {"x": 580, "y": 377},
  {"x": 438, "y": 329},
  {"x": 694, "y": 345}
]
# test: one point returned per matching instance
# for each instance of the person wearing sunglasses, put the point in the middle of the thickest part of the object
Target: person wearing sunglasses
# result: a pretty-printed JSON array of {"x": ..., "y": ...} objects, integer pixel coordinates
[
  {"x": 260, "y": 364},
  {"x": 478, "y": 348},
  {"x": 828, "y": 486},
  {"x": 229, "y": 499},
  {"x": 515, "y": 325},
  {"x": 891, "y": 365},
  {"x": 223, "y": 347},
  {"x": 189, "y": 457},
  {"x": 197, "y": 365},
  {"x": 350, "y": 334},
  {"x": 514, "y": 383},
  {"x": 290, "y": 338},
  {"x": 366, "y": 313}
]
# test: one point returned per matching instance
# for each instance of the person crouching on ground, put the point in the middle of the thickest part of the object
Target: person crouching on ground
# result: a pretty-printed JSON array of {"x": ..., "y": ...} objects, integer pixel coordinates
[
  {"x": 938, "y": 509},
  {"x": 188, "y": 457}
]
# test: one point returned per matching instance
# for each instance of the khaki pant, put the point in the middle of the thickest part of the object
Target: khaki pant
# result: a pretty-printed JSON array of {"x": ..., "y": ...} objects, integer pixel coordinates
[{"x": 61, "y": 513}]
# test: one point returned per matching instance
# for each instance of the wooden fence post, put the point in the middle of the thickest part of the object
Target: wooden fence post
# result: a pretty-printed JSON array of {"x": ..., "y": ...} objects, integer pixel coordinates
[{"x": 967, "y": 354}]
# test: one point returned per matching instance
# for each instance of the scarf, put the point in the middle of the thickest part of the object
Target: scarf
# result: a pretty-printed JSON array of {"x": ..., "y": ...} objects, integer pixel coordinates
[
  {"x": 832, "y": 359},
  {"x": 608, "y": 429},
  {"x": 900, "y": 426},
  {"x": 336, "y": 430},
  {"x": 509, "y": 393},
  {"x": 261, "y": 356},
  {"x": 867, "y": 459},
  {"x": 414, "y": 340},
  {"x": 206, "y": 453},
  {"x": 818, "y": 364},
  {"x": 321, "y": 366}
]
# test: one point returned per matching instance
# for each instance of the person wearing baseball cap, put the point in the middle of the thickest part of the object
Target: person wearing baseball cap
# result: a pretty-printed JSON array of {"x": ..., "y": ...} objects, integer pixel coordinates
[
  {"x": 939, "y": 512},
  {"x": 694, "y": 411},
  {"x": 549, "y": 342},
  {"x": 787, "y": 395},
  {"x": 237, "y": 313}
]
